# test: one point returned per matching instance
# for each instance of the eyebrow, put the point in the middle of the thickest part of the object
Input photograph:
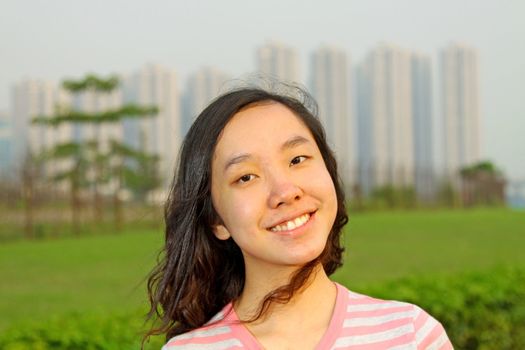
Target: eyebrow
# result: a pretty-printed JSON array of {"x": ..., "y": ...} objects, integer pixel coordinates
[
  {"x": 294, "y": 142},
  {"x": 288, "y": 144}
]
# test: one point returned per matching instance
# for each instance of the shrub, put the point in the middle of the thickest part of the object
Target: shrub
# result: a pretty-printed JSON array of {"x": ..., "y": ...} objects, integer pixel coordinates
[
  {"x": 79, "y": 332},
  {"x": 478, "y": 310}
]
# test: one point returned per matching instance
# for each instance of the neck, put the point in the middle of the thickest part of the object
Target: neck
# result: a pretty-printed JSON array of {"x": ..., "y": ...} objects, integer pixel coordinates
[{"x": 318, "y": 289}]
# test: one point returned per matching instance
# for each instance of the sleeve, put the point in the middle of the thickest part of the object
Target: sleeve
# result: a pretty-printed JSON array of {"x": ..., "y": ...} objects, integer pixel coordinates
[{"x": 429, "y": 333}]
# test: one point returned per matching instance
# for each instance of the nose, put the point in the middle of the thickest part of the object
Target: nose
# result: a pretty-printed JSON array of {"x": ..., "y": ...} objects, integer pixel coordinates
[{"x": 283, "y": 190}]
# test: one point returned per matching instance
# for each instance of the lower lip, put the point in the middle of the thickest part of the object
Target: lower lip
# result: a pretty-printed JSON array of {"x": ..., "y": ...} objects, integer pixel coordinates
[{"x": 298, "y": 230}]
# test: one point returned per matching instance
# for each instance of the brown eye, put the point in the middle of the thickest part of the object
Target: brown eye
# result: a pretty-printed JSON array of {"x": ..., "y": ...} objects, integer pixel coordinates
[
  {"x": 298, "y": 159},
  {"x": 245, "y": 178}
]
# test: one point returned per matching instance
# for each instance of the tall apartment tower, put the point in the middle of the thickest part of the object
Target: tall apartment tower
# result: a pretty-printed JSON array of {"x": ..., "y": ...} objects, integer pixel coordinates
[
  {"x": 330, "y": 85},
  {"x": 6, "y": 145},
  {"x": 277, "y": 60},
  {"x": 459, "y": 78},
  {"x": 385, "y": 124},
  {"x": 202, "y": 87},
  {"x": 155, "y": 85},
  {"x": 424, "y": 178},
  {"x": 29, "y": 99}
]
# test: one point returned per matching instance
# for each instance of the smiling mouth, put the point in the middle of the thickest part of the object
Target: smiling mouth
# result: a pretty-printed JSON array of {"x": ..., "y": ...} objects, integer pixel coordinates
[{"x": 291, "y": 224}]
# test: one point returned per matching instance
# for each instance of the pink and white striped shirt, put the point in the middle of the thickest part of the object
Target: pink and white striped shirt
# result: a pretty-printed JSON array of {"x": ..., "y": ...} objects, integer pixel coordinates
[{"x": 359, "y": 322}]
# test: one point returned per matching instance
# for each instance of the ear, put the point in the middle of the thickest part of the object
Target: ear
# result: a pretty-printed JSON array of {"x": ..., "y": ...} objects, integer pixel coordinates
[{"x": 221, "y": 232}]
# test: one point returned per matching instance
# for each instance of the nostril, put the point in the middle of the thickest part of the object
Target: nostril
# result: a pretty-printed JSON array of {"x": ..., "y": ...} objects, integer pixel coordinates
[{"x": 283, "y": 193}]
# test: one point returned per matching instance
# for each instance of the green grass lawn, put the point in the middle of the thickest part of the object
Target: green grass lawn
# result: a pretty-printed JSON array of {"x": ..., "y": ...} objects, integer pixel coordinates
[
  {"x": 93, "y": 273},
  {"x": 104, "y": 273},
  {"x": 384, "y": 246}
]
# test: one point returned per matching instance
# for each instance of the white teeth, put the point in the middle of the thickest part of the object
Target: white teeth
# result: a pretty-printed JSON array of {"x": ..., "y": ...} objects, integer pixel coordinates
[{"x": 292, "y": 224}]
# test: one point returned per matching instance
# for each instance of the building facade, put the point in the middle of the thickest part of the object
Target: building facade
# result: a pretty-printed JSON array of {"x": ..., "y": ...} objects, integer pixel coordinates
[
  {"x": 30, "y": 99},
  {"x": 385, "y": 122},
  {"x": 460, "y": 107},
  {"x": 155, "y": 85},
  {"x": 6, "y": 146},
  {"x": 330, "y": 85},
  {"x": 276, "y": 60},
  {"x": 202, "y": 87},
  {"x": 422, "y": 111}
]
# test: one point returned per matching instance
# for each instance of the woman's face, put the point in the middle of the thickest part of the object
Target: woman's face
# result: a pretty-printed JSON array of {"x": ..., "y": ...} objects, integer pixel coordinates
[{"x": 271, "y": 188}]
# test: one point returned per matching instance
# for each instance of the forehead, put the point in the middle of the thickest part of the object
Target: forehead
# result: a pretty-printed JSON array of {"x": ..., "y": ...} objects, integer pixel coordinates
[{"x": 260, "y": 127}]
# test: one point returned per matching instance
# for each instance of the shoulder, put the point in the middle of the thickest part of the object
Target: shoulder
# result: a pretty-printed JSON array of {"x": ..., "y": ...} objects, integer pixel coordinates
[
  {"x": 391, "y": 321},
  {"x": 217, "y": 333}
]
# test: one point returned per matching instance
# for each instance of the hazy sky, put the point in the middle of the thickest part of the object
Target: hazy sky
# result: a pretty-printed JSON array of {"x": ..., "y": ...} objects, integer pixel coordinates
[{"x": 57, "y": 38}]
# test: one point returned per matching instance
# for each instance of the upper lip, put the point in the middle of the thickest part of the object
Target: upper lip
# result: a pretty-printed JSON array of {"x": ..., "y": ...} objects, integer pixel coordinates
[{"x": 283, "y": 219}]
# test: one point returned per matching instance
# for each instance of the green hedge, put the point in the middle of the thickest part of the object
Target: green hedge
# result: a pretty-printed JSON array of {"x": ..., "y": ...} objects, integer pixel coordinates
[
  {"x": 478, "y": 310},
  {"x": 80, "y": 332}
]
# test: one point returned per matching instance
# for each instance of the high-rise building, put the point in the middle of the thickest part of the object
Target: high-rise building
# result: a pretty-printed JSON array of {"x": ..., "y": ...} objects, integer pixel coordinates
[
  {"x": 385, "y": 124},
  {"x": 202, "y": 87},
  {"x": 330, "y": 85},
  {"x": 423, "y": 126},
  {"x": 277, "y": 60},
  {"x": 155, "y": 85},
  {"x": 30, "y": 99},
  {"x": 6, "y": 145},
  {"x": 459, "y": 78}
]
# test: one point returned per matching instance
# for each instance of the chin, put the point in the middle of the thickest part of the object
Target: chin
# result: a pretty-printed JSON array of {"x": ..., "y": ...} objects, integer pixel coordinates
[{"x": 306, "y": 257}]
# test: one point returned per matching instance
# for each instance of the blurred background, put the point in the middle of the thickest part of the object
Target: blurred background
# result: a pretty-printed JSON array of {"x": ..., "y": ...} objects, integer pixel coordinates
[{"x": 422, "y": 102}]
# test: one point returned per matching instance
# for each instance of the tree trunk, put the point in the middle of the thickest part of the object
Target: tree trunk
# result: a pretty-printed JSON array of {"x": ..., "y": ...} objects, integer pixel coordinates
[
  {"x": 97, "y": 198},
  {"x": 97, "y": 205},
  {"x": 75, "y": 206},
  {"x": 28, "y": 195},
  {"x": 117, "y": 208},
  {"x": 117, "y": 204}
]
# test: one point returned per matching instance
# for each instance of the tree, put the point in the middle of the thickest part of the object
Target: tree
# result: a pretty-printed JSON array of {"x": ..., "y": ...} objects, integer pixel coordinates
[
  {"x": 394, "y": 197},
  {"x": 133, "y": 169},
  {"x": 482, "y": 183},
  {"x": 74, "y": 175},
  {"x": 30, "y": 171},
  {"x": 90, "y": 162},
  {"x": 447, "y": 195}
]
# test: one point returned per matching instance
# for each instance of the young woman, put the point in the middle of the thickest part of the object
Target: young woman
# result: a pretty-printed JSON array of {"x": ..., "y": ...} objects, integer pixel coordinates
[{"x": 253, "y": 226}]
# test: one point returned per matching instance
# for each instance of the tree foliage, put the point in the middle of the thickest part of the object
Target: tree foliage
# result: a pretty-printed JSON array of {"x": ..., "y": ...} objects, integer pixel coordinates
[
  {"x": 486, "y": 167},
  {"x": 90, "y": 165},
  {"x": 391, "y": 197},
  {"x": 91, "y": 82},
  {"x": 127, "y": 111},
  {"x": 482, "y": 184}
]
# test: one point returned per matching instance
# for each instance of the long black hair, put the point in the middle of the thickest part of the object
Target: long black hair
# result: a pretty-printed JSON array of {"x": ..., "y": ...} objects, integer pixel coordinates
[{"x": 197, "y": 274}]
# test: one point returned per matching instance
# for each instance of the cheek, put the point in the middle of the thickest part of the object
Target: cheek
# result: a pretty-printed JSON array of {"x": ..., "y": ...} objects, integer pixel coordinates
[
  {"x": 242, "y": 211},
  {"x": 333, "y": 196},
  {"x": 323, "y": 184},
  {"x": 326, "y": 190}
]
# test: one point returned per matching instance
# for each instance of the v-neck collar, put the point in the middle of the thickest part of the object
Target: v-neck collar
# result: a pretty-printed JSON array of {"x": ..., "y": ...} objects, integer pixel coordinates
[{"x": 335, "y": 325}]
